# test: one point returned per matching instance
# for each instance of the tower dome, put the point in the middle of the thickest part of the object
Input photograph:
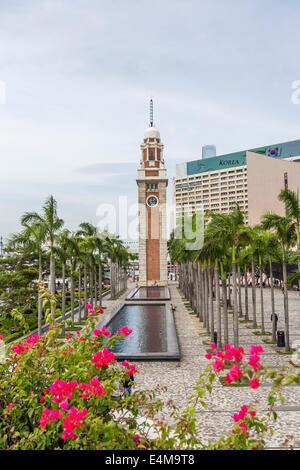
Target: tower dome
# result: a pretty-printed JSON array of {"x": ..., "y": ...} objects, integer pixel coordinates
[{"x": 151, "y": 133}]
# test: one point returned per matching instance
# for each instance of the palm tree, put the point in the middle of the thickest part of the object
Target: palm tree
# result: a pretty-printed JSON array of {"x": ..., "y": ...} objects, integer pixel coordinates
[
  {"x": 61, "y": 250},
  {"x": 285, "y": 231},
  {"x": 226, "y": 228},
  {"x": 113, "y": 245},
  {"x": 53, "y": 224},
  {"x": 32, "y": 238},
  {"x": 250, "y": 235},
  {"x": 88, "y": 232},
  {"x": 263, "y": 242},
  {"x": 292, "y": 208},
  {"x": 74, "y": 259},
  {"x": 212, "y": 250},
  {"x": 245, "y": 261}
]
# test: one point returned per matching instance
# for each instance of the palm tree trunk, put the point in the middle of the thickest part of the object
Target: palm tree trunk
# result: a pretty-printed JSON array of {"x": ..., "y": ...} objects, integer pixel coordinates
[
  {"x": 262, "y": 301},
  {"x": 286, "y": 308},
  {"x": 211, "y": 303},
  {"x": 200, "y": 287},
  {"x": 79, "y": 292},
  {"x": 72, "y": 295},
  {"x": 203, "y": 295},
  {"x": 91, "y": 287},
  {"x": 100, "y": 283},
  {"x": 235, "y": 308},
  {"x": 246, "y": 296},
  {"x": 272, "y": 301},
  {"x": 52, "y": 282},
  {"x": 218, "y": 306},
  {"x": 112, "y": 293},
  {"x": 85, "y": 290},
  {"x": 229, "y": 292},
  {"x": 253, "y": 294},
  {"x": 63, "y": 296},
  {"x": 95, "y": 286},
  {"x": 240, "y": 292},
  {"x": 40, "y": 301},
  {"x": 207, "y": 299},
  {"x": 225, "y": 312}
]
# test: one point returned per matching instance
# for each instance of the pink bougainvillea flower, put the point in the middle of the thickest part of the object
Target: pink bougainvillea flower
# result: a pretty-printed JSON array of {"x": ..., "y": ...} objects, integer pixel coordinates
[
  {"x": 61, "y": 390},
  {"x": 125, "y": 363},
  {"x": 241, "y": 415},
  {"x": 131, "y": 370},
  {"x": 91, "y": 311},
  {"x": 254, "y": 383},
  {"x": 64, "y": 405},
  {"x": 252, "y": 413},
  {"x": 220, "y": 354},
  {"x": 103, "y": 357},
  {"x": 208, "y": 356},
  {"x": 42, "y": 399},
  {"x": 236, "y": 417},
  {"x": 254, "y": 361},
  {"x": 136, "y": 438},
  {"x": 234, "y": 373},
  {"x": 103, "y": 331},
  {"x": 95, "y": 382},
  {"x": 213, "y": 346},
  {"x": 256, "y": 349},
  {"x": 244, "y": 427},
  {"x": 218, "y": 365},
  {"x": 125, "y": 330},
  {"x": 100, "y": 309},
  {"x": 88, "y": 306}
]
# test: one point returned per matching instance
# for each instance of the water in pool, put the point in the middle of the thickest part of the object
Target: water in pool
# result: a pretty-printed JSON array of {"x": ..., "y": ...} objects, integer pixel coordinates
[
  {"x": 148, "y": 323},
  {"x": 150, "y": 293}
]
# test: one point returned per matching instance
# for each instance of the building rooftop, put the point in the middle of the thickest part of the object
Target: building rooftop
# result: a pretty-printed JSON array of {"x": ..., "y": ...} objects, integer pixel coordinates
[{"x": 282, "y": 150}]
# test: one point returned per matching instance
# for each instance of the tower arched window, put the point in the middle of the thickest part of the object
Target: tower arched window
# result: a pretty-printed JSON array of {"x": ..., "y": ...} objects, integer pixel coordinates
[{"x": 151, "y": 155}]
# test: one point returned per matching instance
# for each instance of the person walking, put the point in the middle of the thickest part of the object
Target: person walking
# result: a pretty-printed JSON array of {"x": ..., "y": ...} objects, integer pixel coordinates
[
  {"x": 173, "y": 308},
  {"x": 127, "y": 383},
  {"x": 276, "y": 320}
]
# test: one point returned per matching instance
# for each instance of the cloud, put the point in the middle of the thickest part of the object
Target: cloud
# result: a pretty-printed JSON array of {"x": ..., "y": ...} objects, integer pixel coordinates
[{"x": 109, "y": 169}]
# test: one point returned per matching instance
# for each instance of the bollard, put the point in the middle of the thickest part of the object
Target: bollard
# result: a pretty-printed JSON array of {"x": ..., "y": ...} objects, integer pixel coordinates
[{"x": 215, "y": 337}]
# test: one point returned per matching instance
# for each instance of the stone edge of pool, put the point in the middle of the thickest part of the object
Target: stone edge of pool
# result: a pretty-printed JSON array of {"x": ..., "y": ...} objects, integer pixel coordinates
[
  {"x": 173, "y": 352},
  {"x": 139, "y": 299}
]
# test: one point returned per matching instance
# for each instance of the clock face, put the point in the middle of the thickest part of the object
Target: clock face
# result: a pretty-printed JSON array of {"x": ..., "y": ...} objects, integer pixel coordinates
[{"x": 152, "y": 201}]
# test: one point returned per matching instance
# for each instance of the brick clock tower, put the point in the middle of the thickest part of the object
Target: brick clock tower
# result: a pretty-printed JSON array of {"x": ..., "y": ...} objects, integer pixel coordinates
[{"x": 152, "y": 183}]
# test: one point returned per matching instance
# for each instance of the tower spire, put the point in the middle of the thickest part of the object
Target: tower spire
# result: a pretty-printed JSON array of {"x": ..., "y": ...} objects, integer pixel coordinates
[{"x": 151, "y": 113}]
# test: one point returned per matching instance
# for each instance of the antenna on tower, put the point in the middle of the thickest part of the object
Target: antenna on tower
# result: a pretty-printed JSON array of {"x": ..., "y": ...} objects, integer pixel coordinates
[{"x": 151, "y": 113}]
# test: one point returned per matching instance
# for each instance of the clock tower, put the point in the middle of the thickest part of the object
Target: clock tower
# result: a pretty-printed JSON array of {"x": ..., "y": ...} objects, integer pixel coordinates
[{"x": 152, "y": 183}]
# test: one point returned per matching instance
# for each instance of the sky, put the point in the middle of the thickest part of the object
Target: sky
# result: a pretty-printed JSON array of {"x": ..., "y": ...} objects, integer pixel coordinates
[{"x": 78, "y": 76}]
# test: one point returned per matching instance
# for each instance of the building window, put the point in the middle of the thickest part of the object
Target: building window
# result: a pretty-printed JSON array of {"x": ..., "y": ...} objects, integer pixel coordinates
[{"x": 151, "y": 156}]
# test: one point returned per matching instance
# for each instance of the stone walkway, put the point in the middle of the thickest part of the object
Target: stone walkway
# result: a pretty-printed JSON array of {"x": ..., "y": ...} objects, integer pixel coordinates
[{"x": 180, "y": 377}]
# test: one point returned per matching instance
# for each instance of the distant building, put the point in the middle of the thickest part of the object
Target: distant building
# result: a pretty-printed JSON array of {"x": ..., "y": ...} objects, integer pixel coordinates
[
  {"x": 209, "y": 151},
  {"x": 251, "y": 178}
]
